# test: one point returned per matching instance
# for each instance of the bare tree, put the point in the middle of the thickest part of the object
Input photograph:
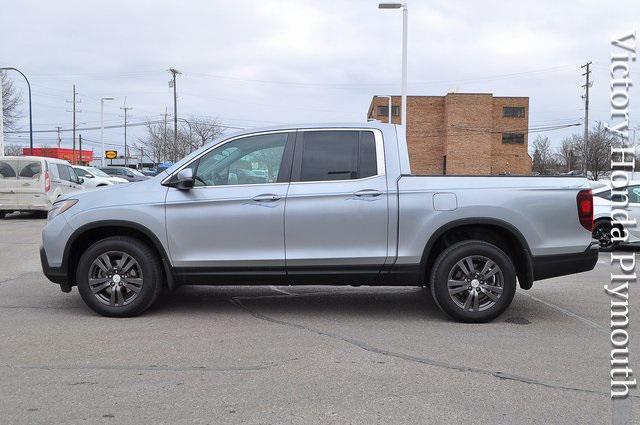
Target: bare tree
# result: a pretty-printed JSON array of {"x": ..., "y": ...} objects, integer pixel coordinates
[
  {"x": 12, "y": 149},
  {"x": 597, "y": 152},
  {"x": 543, "y": 159},
  {"x": 11, "y": 100},
  {"x": 204, "y": 130},
  {"x": 567, "y": 156},
  {"x": 154, "y": 142}
]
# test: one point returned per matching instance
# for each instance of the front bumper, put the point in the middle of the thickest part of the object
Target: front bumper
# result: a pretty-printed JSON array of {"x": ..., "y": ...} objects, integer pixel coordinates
[
  {"x": 548, "y": 266},
  {"x": 54, "y": 274}
]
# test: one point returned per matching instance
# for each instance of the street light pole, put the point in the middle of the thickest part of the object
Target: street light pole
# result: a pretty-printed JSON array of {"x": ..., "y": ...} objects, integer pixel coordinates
[
  {"x": 102, "y": 128},
  {"x": 405, "y": 24},
  {"x": 10, "y": 68}
]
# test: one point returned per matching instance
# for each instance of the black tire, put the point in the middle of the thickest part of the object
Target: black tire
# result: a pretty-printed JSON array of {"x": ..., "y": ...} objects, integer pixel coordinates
[
  {"x": 602, "y": 232},
  {"x": 455, "y": 305},
  {"x": 2, "y": 214},
  {"x": 146, "y": 261}
]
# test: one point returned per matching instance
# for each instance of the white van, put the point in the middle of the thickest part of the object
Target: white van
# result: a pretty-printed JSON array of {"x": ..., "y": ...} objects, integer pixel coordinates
[{"x": 33, "y": 183}]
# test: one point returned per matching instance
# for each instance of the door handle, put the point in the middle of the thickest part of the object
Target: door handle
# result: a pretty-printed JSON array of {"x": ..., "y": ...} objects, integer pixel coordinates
[
  {"x": 367, "y": 193},
  {"x": 266, "y": 197}
]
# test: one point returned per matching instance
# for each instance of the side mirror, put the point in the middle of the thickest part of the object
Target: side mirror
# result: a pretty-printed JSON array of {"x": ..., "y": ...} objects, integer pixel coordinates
[
  {"x": 185, "y": 179},
  {"x": 80, "y": 180}
]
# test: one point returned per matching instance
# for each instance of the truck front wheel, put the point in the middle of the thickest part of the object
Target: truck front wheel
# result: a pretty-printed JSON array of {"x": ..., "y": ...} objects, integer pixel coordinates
[
  {"x": 119, "y": 276},
  {"x": 473, "y": 281}
]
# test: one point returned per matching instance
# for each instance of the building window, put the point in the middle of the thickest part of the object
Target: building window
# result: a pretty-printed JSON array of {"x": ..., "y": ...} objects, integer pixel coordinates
[
  {"x": 384, "y": 110},
  {"x": 513, "y": 111},
  {"x": 513, "y": 138}
]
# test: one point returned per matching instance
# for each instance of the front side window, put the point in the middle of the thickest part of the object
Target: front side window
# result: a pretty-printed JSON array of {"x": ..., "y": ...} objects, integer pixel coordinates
[
  {"x": 63, "y": 172},
  {"x": 338, "y": 155},
  {"x": 249, "y": 160}
]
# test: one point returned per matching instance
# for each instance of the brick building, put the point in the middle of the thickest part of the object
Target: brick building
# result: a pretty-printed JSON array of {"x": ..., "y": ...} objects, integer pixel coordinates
[{"x": 462, "y": 133}]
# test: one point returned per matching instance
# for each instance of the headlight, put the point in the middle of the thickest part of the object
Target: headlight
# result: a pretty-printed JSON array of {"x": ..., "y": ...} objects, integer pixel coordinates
[{"x": 60, "y": 207}]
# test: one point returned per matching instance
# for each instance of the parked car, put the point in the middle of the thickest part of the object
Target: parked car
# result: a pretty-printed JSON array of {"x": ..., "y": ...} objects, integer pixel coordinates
[
  {"x": 129, "y": 174},
  {"x": 34, "y": 183},
  {"x": 354, "y": 215},
  {"x": 602, "y": 214},
  {"x": 94, "y": 177},
  {"x": 149, "y": 172}
]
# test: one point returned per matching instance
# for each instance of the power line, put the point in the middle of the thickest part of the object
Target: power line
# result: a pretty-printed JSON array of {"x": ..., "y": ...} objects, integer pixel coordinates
[{"x": 109, "y": 127}]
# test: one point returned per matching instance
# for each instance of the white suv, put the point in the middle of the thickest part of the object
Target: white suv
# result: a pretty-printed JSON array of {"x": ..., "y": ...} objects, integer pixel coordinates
[
  {"x": 33, "y": 183},
  {"x": 94, "y": 177}
]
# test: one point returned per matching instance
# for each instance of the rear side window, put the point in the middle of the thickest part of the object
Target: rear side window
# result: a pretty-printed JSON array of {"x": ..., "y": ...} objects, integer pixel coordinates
[
  {"x": 31, "y": 169},
  {"x": 337, "y": 155},
  {"x": 8, "y": 169}
]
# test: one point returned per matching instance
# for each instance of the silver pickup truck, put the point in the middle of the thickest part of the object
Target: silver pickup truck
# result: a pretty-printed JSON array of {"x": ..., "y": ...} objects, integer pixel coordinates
[{"x": 320, "y": 205}]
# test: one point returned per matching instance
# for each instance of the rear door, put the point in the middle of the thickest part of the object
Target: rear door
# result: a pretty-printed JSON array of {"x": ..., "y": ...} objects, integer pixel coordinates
[
  {"x": 9, "y": 184},
  {"x": 336, "y": 211},
  {"x": 31, "y": 177}
]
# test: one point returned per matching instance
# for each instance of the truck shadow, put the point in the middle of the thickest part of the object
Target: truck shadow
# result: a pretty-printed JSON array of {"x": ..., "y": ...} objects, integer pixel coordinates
[{"x": 388, "y": 303}]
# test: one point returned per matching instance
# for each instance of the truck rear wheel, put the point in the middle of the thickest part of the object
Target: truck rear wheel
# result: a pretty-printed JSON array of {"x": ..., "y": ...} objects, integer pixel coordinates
[
  {"x": 119, "y": 277},
  {"x": 473, "y": 281}
]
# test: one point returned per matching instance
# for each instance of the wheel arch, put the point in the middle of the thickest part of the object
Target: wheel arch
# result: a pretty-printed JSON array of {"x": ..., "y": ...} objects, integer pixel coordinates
[
  {"x": 496, "y": 231},
  {"x": 90, "y": 233}
]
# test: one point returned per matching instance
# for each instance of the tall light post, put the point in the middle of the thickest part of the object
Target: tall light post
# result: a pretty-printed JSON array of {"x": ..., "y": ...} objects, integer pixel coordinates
[
  {"x": 102, "y": 128},
  {"x": 403, "y": 6},
  {"x": 10, "y": 68}
]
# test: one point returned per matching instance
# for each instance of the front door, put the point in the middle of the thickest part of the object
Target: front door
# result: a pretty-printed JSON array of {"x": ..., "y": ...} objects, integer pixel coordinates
[
  {"x": 68, "y": 179},
  {"x": 230, "y": 226},
  {"x": 337, "y": 208}
]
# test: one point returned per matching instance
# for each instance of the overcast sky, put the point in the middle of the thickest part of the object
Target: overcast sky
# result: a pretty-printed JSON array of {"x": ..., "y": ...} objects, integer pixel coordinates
[{"x": 255, "y": 63}]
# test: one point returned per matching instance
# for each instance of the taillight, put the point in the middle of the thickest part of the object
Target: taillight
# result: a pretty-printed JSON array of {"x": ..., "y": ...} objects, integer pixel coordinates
[
  {"x": 47, "y": 181},
  {"x": 585, "y": 209}
]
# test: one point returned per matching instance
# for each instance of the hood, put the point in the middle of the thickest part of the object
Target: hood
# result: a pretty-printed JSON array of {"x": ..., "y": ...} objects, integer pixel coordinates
[{"x": 147, "y": 191}]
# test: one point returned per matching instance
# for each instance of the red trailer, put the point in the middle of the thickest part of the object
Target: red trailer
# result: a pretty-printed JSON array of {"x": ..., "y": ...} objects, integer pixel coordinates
[{"x": 62, "y": 153}]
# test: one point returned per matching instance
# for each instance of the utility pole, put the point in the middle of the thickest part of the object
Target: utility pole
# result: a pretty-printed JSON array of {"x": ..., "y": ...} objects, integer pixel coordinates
[
  {"x": 74, "y": 111},
  {"x": 164, "y": 136},
  {"x": 80, "y": 147},
  {"x": 172, "y": 83},
  {"x": 125, "y": 109},
  {"x": 59, "y": 138},
  {"x": 586, "y": 86}
]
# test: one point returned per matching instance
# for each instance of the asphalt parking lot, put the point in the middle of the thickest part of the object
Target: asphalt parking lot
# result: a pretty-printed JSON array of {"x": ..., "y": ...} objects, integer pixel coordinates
[{"x": 275, "y": 355}]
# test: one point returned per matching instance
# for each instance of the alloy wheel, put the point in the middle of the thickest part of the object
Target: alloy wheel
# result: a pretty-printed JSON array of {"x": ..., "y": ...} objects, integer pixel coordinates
[
  {"x": 475, "y": 283},
  {"x": 602, "y": 233},
  {"x": 115, "y": 278}
]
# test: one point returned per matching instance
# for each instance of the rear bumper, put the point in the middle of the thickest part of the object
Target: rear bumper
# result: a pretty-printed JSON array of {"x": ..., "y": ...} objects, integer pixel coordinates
[
  {"x": 548, "y": 266},
  {"x": 54, "y": 274}
]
